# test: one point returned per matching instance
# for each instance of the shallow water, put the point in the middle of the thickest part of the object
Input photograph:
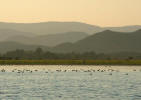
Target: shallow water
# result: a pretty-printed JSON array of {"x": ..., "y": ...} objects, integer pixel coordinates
[{"x": 70, "y": 85}]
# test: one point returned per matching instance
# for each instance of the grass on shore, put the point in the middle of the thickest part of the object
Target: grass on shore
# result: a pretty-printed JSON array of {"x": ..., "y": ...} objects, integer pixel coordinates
[{"x": 70, "y": 62}]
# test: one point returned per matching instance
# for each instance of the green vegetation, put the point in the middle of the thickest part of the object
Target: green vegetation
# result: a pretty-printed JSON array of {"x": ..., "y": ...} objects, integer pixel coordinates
[
  {"x": 70, "y": 62},
  {"x": 39, "y": 54},
  {"x": 40, "y": 57}
]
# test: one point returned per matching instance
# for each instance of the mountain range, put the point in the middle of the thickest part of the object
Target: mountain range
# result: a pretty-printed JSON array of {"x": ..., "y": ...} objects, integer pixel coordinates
[
  {"x": 45, "y": 28},
  {"x": 69, "y": 37},
  {"x": 48, "y": 40},
  {"x": 105, "y": 42}
]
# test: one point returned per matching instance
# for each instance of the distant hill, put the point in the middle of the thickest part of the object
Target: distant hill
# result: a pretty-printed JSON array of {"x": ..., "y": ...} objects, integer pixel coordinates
[
  {"x": 46, "y": 28},
  {"x": 102, "y": 42},
  {"x": 8, "y": 33},
  {"x": 69, "y": 36},
  {"x": 124, "y": 28},
  {"x": 49, "y": 40},
  {"x": 105, "y": 42}
]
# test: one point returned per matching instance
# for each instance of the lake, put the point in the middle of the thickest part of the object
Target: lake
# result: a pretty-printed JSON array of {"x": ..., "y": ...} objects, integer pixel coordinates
[{"x": 70, "y": 82}]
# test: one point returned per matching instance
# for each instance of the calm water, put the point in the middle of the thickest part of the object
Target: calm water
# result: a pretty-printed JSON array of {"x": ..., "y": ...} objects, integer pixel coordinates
[{"x": 70, "y": 86}]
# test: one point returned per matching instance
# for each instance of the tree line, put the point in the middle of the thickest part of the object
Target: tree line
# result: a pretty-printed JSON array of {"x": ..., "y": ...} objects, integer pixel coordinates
[{"x": 39, "y": 54}]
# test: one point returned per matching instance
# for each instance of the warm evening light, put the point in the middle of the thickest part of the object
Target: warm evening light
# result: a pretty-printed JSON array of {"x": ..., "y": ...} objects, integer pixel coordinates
[{"x": 96, "y": 12}]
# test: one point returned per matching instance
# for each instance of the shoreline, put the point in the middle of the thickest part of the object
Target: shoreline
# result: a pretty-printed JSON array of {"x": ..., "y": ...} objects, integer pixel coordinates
[
  {"x": 71, "y": 62},
  {"x": 68, "y": 68}
]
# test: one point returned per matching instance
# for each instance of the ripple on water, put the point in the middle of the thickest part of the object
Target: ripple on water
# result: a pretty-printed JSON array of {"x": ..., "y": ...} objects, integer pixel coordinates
[{"x": 70, "y": 86}]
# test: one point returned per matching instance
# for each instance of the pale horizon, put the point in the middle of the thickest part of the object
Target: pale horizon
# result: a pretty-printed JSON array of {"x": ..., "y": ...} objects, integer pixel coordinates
[{"x": 108, "y": 13}]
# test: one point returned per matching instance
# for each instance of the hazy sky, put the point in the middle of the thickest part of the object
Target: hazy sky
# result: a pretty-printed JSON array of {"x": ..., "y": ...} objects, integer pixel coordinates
[{"x": 96, "y": 12}]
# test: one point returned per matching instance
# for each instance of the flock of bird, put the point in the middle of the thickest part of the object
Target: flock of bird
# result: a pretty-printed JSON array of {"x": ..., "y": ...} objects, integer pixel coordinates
[{"x": 110, "y": 70}]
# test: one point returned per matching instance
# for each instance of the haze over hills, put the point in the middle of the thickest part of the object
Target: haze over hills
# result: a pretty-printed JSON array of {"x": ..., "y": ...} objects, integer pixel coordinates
[
  {"x": 45, "y": 28},
  {"x": 49, "y": 40},
  {"x": 124, "y": 28},
  {"x": 105, "y": 42},
  {"x": 7, "y": 33},
  {"x": 68, "y": 37},
  {"x": 52, "y": 33},
  {"x": 47, "y": 33}
]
